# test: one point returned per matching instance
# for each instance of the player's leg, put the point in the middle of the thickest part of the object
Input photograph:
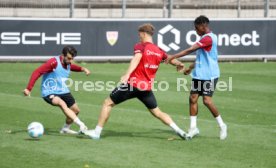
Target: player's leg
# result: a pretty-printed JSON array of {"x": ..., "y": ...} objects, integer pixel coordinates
[
  {"x": 103, "y": 117},
  {"x": 105, "y": 111},
  {"x": 75, "y": 108},
  {"x": 148, "y": 99},
  {"x": 193, "y": 106},
  {"x": 166, "y": 119},
  {"x": 193, "y": 103},
  {"x": 69, "y": 121},
  {"x": 118, "y": 95},
  {"x": 208, "y": 102},
  {"x": 57, "y": 101},
  {"x": 71, "y": 103}
]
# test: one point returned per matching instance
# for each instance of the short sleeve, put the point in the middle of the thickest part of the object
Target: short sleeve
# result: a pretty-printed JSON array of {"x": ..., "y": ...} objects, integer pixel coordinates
[
  {"x": 165, "y": 55},
  {"x": 205, "y": 42},
  {"x": 138, "y": 48}
]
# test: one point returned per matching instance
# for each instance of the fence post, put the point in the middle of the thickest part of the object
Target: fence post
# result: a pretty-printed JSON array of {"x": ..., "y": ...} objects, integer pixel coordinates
[
  {"x": 89, "y": 9},
  {"x": 239, "y": 8},
  {"x": 165, "y": 8},
  {"x": 72, "y": 7},
  {"x": 123, "y": 8},
  {"x": 170, "y": 8},
  {"x": 266, "y": 8}
]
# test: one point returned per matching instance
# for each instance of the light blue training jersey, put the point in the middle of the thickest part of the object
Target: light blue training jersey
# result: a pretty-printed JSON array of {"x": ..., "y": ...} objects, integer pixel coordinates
[
  {"x": 206, "y": 64},
  {"x": 54, "y": 82}
]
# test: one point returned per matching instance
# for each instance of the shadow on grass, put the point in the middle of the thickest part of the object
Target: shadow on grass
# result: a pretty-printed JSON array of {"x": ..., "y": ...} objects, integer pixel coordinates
[
  {"x": 145, "y": 134},
  {"x": 16, "y": 131},
  {"x": 47, "y": 131},
  {"x": 159, "y": 134},
  {"x": 32, "y": 139}
]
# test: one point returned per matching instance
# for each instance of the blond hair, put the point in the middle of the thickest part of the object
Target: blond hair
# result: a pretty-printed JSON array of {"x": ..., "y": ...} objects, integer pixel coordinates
[{"x": 147, "y": 28}]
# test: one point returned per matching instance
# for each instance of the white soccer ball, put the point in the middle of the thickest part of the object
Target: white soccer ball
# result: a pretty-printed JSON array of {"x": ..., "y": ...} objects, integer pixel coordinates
[{"x": 35, "y": 130}]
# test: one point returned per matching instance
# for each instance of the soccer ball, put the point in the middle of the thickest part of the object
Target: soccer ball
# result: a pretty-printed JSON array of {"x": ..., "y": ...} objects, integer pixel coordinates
[{"x": 35, "y": 129}]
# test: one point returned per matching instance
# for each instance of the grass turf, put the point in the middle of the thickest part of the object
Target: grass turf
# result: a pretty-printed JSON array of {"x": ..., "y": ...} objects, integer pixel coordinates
[{"x": 132, "y": 137}]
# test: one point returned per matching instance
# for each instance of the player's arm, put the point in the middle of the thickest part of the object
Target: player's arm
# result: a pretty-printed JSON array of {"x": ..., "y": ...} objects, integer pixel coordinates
[
  {"x": 183, "y": 53},
  {"x": 132, "y": 66},
  {"x": 47, "y": 67},
  {"x": 77, "y": 68},
  {"x": 188, "y": 70},
  {"x": 203, "y": 43},
  {"x": 179, "y": 65}
]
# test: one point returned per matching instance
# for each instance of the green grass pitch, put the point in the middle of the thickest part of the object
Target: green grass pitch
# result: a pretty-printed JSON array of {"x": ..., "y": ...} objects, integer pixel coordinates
[{"x": 132, "y": 137}]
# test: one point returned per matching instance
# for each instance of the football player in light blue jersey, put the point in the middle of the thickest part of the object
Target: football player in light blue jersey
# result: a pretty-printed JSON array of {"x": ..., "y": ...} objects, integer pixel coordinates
[
  {"x": 53, "y": 88},
  {"x": 205, "y": 73}
]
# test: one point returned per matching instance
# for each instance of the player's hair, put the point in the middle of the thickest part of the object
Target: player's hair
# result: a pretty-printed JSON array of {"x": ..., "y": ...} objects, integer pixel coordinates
[
  {"x": 147, "y": 28},
  {"x": 69, "y": 49},
  {"x": 201, "y": 20}
]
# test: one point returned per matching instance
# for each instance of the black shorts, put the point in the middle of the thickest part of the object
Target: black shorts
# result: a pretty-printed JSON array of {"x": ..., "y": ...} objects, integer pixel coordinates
[
  {"x": 203, "y": 87},
  {"x": 67, "y": 98},
  {"x": 126, "y": 91}
]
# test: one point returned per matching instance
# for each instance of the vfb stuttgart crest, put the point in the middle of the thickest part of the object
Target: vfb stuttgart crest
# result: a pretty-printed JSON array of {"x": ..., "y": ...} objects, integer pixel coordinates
[{"x": 112, "y": 37}]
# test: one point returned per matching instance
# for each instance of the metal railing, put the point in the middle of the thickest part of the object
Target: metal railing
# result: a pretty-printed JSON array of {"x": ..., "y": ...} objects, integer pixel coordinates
[{"x": 137, "y": 8}]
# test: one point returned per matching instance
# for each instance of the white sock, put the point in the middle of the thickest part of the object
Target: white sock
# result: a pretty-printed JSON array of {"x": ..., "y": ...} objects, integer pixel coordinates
[
  {"x": 193, "y": 121},
  {"x": 78, "y": 122},
  {"x": 67, "y": 126},
  {"x": 98, "y": 129},
  {"x": 220, "y": 121},
  {"x": 176, "y": 128}
]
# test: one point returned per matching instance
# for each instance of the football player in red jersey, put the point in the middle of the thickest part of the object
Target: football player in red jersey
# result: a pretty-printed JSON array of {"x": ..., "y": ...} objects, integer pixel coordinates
[{"x": 137, "y": 82}]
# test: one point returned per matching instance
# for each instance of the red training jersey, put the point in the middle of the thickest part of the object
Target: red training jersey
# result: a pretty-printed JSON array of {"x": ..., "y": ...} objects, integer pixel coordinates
[
  {"x": 143, "y": 76},
  {"x": 48, "y": 67},
  {"x": 205, "y": 43}
]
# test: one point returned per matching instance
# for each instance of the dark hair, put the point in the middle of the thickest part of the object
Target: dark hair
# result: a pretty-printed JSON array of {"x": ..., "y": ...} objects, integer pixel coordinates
[
  {"x": 147, "y": 28},
  {"x": 69, "y": 49},
  {"x": 201, "y": 20}
]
